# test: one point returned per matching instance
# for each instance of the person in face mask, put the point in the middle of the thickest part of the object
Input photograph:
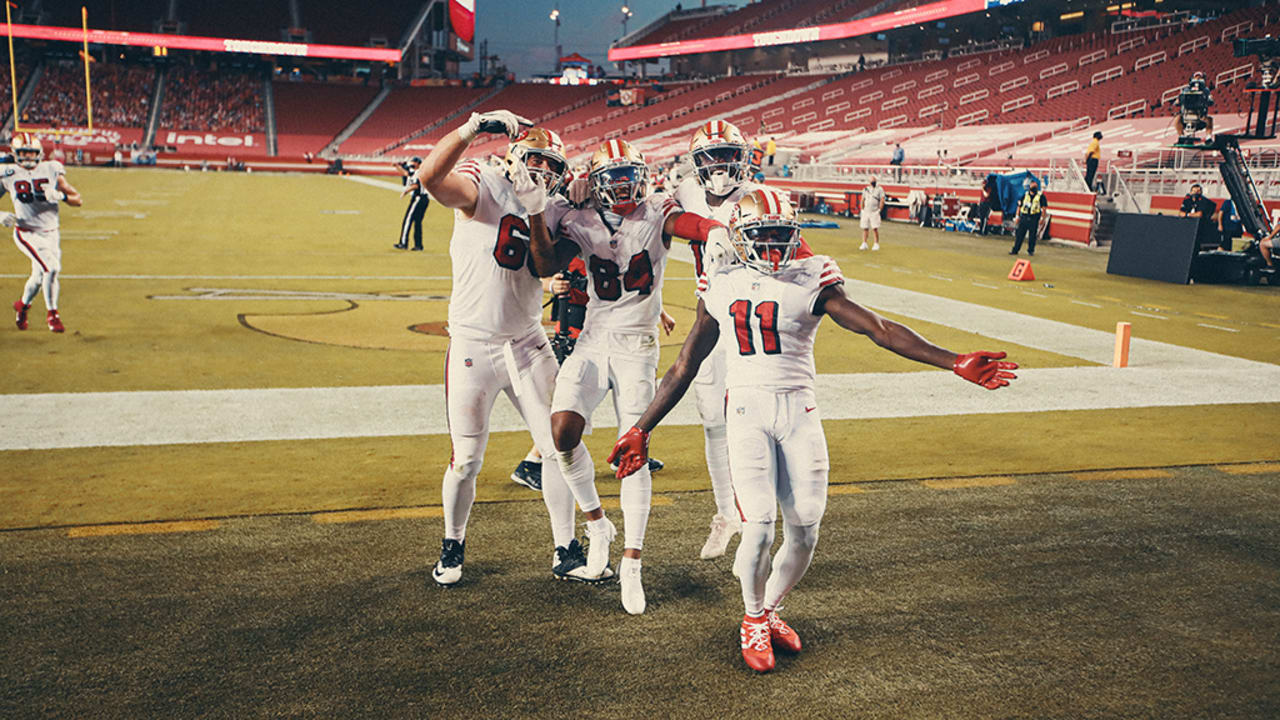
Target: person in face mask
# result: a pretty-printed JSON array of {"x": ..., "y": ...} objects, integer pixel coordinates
[
  {"x": 1196, "y": 205},
  {"x": 872, "y": 205},
  {"x": 1030, "y": 208}
]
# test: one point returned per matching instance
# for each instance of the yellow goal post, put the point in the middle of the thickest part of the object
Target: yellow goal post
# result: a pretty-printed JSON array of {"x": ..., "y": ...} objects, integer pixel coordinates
[{"x": 13, "y": 80}]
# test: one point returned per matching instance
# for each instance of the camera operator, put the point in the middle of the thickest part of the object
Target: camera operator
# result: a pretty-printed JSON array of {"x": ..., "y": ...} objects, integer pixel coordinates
[
  {"x": 1196, "y": 205},
  {"x": 1194, "y": 102}
]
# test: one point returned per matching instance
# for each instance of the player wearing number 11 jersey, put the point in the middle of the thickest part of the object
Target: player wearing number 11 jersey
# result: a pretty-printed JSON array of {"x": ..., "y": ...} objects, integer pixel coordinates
[
  {"x": 37, "y": 186},
  {"x": 769, "y": 306}
]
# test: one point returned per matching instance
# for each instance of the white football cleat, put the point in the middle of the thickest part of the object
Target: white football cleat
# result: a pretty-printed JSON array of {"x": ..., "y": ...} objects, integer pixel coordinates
[
  {"x": 863, "y": 246},
  {"x": 448, "y": 569},
  {"x": 722, "y": 530},
  {"x": 632, "y": 589},
  {"x": 876, "y": 246},
  {"x": 599, "y": 537}
]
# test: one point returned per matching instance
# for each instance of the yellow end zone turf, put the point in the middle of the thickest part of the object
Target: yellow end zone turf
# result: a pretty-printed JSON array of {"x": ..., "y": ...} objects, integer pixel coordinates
[{"x": 137, "y": 484}]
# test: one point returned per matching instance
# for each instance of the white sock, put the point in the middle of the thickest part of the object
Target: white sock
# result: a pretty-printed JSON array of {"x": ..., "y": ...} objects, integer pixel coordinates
[
  {"x": 580, "y": 475},
  {"x": 716, "y": 445},
  {"x": 51, "y": 285},
  {"x": 459, "y": 493},
  {"x": 29, "y": 291},
  {"x": 752, "y": 564},
  {"x": 790, "y": 562},
  {"x": 559, "y": 501},
  {"x": 534, "y": 456},
  {"x": 637, "y": 496}
]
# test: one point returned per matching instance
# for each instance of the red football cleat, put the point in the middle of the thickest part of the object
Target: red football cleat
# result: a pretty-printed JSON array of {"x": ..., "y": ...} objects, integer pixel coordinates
[
  {"x": 781, "y": 633},
  {"x": 757, "y": 649},
  {"x": 55, "y": 323},
  {"x": 22, "y": 314}
]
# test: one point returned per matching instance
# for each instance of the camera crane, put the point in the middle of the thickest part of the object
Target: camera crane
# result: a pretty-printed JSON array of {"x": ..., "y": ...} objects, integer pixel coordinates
[{"x": 1261, "y": 124}]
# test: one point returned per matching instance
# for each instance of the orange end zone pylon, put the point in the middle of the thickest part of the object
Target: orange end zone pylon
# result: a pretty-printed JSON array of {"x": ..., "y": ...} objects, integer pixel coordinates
[
  {"x": 1022, "y": 271},
  {"x": 1123, "y": 332}
]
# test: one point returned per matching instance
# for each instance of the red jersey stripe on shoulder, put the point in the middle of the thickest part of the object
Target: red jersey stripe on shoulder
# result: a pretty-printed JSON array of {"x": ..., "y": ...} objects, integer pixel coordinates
[{"x": 832, "y": 281}]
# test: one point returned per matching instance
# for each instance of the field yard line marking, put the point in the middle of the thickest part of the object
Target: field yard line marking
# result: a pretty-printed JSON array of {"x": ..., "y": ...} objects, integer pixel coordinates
[
  {"x": 942, "y": 277},
  {"x": 1148, "y": 315},
  {"x": 384, "y": 184},
  {"x": 1250, "y": 469},
  {"x": 350, "y": 516},
  {"x": 1028, "y": 330},
  {"x": 1135, "y": 474},
  {"x": 246, "y": 277},
  {"x": 972, "y": 482},
  {"x": 159, "y": 528},
  {"x": 1211, "y": 316},
  {"x": 115, "y": 419},
  {"x": 983, "y": 285},
  {"x": 1217, "y": 327},
  {"x": 1081, "y": 302}
]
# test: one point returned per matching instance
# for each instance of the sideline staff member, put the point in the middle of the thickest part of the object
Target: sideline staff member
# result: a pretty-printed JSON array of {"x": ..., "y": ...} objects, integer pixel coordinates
[
  {"x": 1030, "y": 208},
  {"x": 417, "y": 206}
]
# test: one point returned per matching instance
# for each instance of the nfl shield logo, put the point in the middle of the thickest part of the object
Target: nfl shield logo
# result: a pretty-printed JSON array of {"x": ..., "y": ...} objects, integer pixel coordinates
[{"x": 466, "y": 361}]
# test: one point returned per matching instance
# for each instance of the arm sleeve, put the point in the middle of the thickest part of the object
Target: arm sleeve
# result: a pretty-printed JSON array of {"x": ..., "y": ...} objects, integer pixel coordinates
[{"x": 829, "y": 275}]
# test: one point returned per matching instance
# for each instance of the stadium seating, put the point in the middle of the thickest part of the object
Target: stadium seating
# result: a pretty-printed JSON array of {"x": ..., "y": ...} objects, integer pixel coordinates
[
  {"x": 309, "y": 115},
  {"x": 212, "y": 100},
  {"x": 405, "y": 111},
  {"x": 121, "y": 96}
]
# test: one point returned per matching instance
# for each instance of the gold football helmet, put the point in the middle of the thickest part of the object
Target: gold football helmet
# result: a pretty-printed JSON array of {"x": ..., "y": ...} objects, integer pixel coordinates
[
  {"x": 721, "y": 156},
  {"x": 619, "y": 176},
  {"x": 764, "y": 230},
  {"x": 27, "y": 150},
  {"x": 543, "y": 152}
]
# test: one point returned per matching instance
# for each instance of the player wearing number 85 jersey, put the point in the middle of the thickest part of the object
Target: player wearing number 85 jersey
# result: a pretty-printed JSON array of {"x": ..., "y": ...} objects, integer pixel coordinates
[
  {"x": 623, "y": 236},
  {"x": 496, "y": 342},
  {"x": 769, "y": 306},
  {"x": 37, "y": 186}
]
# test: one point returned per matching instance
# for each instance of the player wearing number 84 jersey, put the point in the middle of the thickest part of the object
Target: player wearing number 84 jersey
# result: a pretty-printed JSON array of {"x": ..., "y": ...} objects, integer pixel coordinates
[
  {"x": 768, "y": 307},
  {"x": 623, "y": 235}
]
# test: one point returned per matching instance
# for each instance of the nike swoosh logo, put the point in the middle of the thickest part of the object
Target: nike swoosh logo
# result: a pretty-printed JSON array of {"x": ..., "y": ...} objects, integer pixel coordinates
[
  {"x": 808, "y": 409},
  {"x": 540, "y": 347}
]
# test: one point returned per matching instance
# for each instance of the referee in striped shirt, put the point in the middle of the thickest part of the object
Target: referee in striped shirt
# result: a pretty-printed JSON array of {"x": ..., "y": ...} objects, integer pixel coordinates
[{"x": 417, "y": 206}]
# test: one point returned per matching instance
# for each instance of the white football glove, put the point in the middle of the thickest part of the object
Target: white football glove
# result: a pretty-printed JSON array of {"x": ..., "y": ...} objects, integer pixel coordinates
[
  {"x": 8, "y": 219},
  {"x": 531, "y": 193},
  {"x": 579, "y": 191},
  {"x": 498, "y": 121},
  {"x": 54, "y": 195},
  {"x": 718, "y": 251}
]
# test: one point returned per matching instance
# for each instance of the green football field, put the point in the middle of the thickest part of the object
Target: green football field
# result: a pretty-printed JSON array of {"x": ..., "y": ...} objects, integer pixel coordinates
[
  {"x": 208, "y": 281},
  {"x": 220, "y": 490}
]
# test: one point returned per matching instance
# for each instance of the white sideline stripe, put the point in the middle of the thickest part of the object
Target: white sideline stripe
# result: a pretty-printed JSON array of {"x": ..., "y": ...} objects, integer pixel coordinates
[
  {"x": 374, "y": 182},
  {"x": 76, "y": 420}
]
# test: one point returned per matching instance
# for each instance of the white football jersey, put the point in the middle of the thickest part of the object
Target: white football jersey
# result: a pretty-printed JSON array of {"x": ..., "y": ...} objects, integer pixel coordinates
[
  {"x": 767, "y": 323},
  {"x": 27, "y": 187},
  {"x": 692, "y": 197},
  {"x": 624, "y": 266},
  {"x": 496, "y": 296}
]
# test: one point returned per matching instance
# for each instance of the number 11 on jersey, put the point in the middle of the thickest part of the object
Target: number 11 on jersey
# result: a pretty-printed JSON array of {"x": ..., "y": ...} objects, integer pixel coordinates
[{"x": 767, "y": 313}]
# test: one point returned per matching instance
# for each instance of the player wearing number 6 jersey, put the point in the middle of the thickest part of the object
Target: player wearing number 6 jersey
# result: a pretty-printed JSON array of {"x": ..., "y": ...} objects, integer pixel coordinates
[
  {"x": 496, "y": 342},
  {"x": 623, "y": 236},
  {"x": 37, "y": 186},
  {"x": 769, "y": 305}
]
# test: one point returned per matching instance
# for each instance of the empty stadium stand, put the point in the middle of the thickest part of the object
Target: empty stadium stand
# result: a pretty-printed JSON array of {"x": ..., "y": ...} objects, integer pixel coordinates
[
  {"x": 309, "y": 115},
  {"x": 405, "y": 111}
]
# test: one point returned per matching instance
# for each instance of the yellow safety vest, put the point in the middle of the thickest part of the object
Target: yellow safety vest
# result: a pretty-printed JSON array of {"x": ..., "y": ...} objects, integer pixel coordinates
[{"x": 1031, "y": 205}]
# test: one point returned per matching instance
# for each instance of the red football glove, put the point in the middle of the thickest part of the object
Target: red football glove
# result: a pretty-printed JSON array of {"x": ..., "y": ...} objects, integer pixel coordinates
[
  {"x": 631, "y": 452},
  {"x": 983, "y": 367}
]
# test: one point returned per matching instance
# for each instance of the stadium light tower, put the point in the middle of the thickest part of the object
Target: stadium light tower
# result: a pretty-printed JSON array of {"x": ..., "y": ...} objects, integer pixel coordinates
[
  {"x": 555, "y": 17},
  {"x": 626, "y": 15}
]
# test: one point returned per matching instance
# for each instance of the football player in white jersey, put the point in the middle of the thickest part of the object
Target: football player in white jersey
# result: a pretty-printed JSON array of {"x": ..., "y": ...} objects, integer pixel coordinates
[
  {"x": 722, "y": 164},
  {"x": 37, "y": 186},
  {"x": 496, "y": 340},
  {"x": 623, "y": 236},
  {"x": 770, "y": 306}
]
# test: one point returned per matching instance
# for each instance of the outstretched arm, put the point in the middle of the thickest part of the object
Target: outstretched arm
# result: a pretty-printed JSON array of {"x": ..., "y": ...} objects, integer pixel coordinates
[
  {"x": 983, "y": 368},
  {"x": 436, "y": 174},
  {"x": 632, "y": 450},
  {"x": 69, "y": 193}
]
